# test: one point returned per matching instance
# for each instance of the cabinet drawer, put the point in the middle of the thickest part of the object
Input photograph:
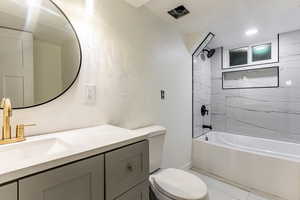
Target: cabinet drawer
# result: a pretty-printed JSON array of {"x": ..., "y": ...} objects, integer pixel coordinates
[
  {"x": 140, "y": 192},
  {"x": 125, "y": 168},
  {"x": 9, "y": 192}
]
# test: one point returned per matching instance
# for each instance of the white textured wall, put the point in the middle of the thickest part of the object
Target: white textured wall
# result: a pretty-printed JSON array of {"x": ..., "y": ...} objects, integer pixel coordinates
[{"x": 130, "y": 55}]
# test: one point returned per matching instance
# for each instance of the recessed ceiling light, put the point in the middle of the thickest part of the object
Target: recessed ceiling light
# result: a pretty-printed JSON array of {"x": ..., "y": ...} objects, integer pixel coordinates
[{"x": 251, "y": 32}]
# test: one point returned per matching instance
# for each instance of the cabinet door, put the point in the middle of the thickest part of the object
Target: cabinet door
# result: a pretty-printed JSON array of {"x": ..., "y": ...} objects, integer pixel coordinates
[
  {"x": 83, "y": 180},
  {"x": 140, "y": 192},
  {"x": 126, "y": 168},
  {"x": 9, "y": 192}
]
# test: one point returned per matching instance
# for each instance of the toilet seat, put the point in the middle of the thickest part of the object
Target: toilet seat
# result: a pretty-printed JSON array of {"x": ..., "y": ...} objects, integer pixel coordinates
[{"x": 179, "y": 185}]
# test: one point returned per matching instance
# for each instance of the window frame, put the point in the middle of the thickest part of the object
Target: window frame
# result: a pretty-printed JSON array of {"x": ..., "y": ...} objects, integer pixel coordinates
[
  {"x": 274, "y": 55},
  {"x": 229, "y": 50}
]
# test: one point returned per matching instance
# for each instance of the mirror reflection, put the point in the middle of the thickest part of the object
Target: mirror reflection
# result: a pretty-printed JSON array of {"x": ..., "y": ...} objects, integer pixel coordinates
[{"x": 39, "y": 53}]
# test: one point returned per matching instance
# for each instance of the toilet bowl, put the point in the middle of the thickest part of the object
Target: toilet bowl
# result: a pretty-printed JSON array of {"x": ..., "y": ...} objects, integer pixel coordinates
[
  {"x": 170, "y": 184},
  {"x": 175, "y": 184}
]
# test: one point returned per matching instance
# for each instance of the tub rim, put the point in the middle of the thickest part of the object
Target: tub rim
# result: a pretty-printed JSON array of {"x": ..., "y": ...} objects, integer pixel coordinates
[{"x": 273, "y": 154}]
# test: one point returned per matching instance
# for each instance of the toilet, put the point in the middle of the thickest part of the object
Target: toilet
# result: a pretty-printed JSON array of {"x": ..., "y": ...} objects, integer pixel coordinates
[
  {"x": 170, "y": 184},
  {"x": 176, "y": 184}
]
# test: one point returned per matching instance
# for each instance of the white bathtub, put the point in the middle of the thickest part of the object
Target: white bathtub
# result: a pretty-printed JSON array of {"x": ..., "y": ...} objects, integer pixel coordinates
[{"x": 264, "y": 165}]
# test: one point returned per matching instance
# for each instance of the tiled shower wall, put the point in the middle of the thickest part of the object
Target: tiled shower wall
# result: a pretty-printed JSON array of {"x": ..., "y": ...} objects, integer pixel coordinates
[
  {"x": 202, "y": 93},
  {"x": 269, "y": 113}
]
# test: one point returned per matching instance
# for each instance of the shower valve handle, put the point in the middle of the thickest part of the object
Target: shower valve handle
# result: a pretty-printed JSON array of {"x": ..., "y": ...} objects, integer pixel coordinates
[{"x": 204, "y": 110}]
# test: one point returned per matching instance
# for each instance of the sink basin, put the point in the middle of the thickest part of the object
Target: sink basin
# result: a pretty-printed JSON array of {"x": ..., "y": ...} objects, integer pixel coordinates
[{"x": 30, "y": 151}]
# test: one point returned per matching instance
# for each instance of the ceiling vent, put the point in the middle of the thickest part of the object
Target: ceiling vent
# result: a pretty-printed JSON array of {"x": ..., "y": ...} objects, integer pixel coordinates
[{"x": 179, "y": 12}]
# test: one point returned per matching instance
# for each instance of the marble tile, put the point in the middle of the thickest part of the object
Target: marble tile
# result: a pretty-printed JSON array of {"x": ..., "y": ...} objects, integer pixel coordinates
[
  {"x": 202, "y": 94},
  {"x": 244, "y": 128},
  {"x": 256, "y": 197},
  {"x": 218, "y": 104},
  {"x": 222, "y": 191},
  {"x": 258, "y": 119},
  {"x": 216, "y": 87},
  {"x": 218, "y": 122},
  {"x": 270, "y": 112},
  {"x": 219, "y": 191},
  {"x": 215, "y": 194},
  {"x": 289, "y": 44},
  {"x": 216, "y": 64},
  {"x": 289, "y": 75}
]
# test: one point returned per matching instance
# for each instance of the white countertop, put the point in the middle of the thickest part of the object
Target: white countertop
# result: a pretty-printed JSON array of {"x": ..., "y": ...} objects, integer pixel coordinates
[{"x": 40, "y": 153}]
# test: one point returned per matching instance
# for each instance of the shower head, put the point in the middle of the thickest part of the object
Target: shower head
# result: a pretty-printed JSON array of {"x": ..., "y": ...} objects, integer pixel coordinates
[
  {"x": 210, "y": 52},
  {"x": 203, "y": 56},
  {"x": 203, "y": 44}
]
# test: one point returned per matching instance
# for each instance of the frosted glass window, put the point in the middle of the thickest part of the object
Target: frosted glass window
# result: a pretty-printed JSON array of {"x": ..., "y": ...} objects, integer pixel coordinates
[
  {"x": 262, "y": 52},
  {"x": 238, "y": 56}
]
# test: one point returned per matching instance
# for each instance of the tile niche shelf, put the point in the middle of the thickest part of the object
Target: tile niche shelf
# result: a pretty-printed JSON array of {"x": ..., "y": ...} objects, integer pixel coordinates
[{"x": 251, "y": 78}]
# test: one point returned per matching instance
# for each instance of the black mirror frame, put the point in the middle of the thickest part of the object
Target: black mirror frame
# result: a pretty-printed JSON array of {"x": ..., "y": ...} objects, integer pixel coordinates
[{"x": 79, "y": 68}]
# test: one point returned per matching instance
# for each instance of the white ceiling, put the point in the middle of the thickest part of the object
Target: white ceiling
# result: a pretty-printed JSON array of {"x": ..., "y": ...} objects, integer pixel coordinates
[{"x": 229, "y": 19}]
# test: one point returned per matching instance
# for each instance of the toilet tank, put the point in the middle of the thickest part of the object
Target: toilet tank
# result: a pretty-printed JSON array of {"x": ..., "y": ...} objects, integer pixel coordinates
[{"x": 156, "y": 137}]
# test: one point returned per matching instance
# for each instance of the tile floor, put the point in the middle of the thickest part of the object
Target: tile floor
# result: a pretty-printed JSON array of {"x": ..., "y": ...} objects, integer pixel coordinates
[{"x": 222, "y": 191}]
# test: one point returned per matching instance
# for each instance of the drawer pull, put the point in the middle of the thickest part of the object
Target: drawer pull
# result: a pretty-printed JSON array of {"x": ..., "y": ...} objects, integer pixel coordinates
[{"x": 129, "y": 167}]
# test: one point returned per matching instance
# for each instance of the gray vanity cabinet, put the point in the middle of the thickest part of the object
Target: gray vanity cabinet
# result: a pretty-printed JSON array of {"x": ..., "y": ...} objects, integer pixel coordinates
[
  {"x": 121, "y": 174},
  {"x": 83, "y": 180},
  {"x": 9, "y": 192},
  {"x": 126, "y": 168},
  {"x": 140, "y": 192}
]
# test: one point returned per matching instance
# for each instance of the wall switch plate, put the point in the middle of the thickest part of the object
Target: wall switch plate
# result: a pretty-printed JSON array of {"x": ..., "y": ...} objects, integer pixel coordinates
[{"x": 90, "y": 94}]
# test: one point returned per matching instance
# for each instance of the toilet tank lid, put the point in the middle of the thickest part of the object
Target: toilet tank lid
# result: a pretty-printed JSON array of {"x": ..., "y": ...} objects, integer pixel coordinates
[{"x": 152, "y": 131}]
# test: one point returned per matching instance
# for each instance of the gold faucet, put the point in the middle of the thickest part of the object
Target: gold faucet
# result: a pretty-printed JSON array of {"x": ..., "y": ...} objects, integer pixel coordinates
[
  {"x": 6, "y": 128},
  {"x": 7, "y": 113}
]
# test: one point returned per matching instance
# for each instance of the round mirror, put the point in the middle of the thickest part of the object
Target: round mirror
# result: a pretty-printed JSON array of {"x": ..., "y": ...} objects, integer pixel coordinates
[{"x": 40, "y": 55}]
